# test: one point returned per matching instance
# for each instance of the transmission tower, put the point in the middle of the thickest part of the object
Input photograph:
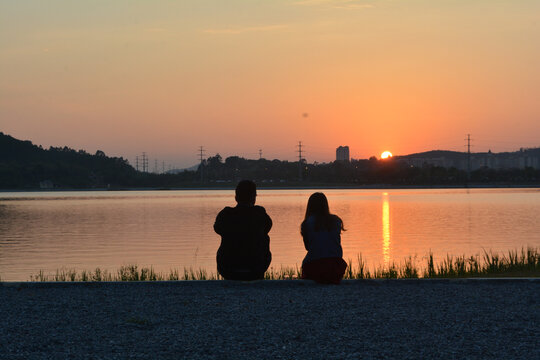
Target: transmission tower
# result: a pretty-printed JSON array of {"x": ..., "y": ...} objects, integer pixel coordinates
[
  {"x": 201, "y": 159},
  {"x": 137, "y": 162},
  {"x": 468, "y": 156},
  {"x": 300, "y": 160},
  {"x": 144, "y": 162},
  {"x": 260, "y": 154}
]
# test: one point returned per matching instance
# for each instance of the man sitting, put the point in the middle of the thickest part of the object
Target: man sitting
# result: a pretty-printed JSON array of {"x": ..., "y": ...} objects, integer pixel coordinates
[{"x": 244, "y": 253}]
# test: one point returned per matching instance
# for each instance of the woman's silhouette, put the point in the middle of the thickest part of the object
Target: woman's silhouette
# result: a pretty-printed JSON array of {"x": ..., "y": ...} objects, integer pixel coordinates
[{"x": 321, "y": 232}]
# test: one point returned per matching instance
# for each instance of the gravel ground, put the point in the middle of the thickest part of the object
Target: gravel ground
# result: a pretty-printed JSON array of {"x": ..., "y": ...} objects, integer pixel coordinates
[{"x": 401, "y": 319}]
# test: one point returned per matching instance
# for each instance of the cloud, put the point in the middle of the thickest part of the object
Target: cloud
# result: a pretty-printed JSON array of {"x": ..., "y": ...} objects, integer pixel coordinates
[
  {"x": 337, "y": 4},
  {"x": 156, "y": 30},
  {"x": 313, "y": 2},
  {"x": 245, "y": 29},
  {"x": 354, "y": 6}
]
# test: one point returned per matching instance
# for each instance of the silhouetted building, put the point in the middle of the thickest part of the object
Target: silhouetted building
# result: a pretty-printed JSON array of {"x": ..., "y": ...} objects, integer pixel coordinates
[{"x": 342, "y": 153}]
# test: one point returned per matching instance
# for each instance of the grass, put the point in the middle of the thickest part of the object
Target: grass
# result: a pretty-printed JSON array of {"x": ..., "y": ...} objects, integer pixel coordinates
[
  {"x": 283, "y": 273},
  {"x": 523, "y": 263},
  {"x": 124, "y": 273}
]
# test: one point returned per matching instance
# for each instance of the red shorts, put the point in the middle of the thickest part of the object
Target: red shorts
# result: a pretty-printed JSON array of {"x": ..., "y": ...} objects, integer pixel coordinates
[{"x": 325, "y": 270}]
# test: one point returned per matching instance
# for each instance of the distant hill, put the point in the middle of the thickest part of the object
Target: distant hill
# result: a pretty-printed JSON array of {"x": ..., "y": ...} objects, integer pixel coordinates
[
  {"x": 435, "y": 154},
  {"x": 462, "y": 155},
  {"x": 24, "y": 165},
  {"x": 178, "y": 171}
]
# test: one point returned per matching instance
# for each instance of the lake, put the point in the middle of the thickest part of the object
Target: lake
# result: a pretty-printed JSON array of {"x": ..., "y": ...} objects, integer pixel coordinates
[{"x": 83, "y": 230}]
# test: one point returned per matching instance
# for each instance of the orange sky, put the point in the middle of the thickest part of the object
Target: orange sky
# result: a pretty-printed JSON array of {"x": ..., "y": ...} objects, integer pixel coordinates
[{"x": 236, "y": 76}]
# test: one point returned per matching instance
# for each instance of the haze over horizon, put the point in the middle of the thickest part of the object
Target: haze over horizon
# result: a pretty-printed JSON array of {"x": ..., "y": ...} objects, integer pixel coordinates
[{"x": 238, "y": 76}]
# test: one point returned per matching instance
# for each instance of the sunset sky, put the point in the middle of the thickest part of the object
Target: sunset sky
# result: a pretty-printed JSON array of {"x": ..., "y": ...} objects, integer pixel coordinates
[{"x": 166, "y": 77}]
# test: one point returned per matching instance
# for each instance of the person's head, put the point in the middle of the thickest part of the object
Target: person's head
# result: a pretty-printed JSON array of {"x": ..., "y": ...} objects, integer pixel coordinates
[
  {"x": 246, "y": 192},
  {"x": 317, "y": 205}
]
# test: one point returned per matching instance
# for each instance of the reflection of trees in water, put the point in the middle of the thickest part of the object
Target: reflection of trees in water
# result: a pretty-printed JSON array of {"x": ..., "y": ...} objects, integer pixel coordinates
[
  {"x": 12, "y": 220},
  {"x": 4, "y": 222}
]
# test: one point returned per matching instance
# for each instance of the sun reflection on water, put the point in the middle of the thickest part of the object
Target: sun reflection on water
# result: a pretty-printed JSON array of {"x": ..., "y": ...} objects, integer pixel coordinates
[{"x": 386, "y": 229}]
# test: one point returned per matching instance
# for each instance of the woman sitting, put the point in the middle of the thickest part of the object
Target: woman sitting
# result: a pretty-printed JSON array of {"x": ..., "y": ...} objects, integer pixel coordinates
[{"x": 321, "y": 232}]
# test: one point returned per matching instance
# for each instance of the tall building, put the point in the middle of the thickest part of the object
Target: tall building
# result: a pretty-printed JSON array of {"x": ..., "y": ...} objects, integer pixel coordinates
[{"x": 342, "y": 153}]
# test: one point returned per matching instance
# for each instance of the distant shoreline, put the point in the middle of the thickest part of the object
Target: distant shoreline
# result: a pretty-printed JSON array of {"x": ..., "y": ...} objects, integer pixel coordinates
[{"x": 292, "y": 187}]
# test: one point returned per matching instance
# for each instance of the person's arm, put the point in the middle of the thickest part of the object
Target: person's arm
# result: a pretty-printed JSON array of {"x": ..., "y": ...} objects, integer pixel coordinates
[
  {"x": 303, "y": 232},
  {"x": 263, "y": 219},
  {"x": 268, "y": 223},
  {"x": 219, "y": 224}
]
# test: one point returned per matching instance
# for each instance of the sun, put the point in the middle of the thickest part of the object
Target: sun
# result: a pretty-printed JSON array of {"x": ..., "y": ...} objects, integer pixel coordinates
[{"x": 386, "y": 155}]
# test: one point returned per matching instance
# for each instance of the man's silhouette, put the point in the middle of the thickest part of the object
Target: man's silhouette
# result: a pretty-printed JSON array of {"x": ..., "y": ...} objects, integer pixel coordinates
[{"x": 244, "y": 253}]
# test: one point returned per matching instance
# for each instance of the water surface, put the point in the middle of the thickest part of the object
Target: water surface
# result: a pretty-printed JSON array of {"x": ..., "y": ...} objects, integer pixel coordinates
[{"x": 173, "y": 229}]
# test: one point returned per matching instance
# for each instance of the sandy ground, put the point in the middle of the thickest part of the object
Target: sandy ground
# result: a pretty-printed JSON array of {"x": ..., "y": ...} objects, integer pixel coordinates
[{"x": 381, "y": 319}]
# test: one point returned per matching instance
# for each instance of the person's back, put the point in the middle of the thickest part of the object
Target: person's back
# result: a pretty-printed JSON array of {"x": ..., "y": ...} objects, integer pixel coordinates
[
  {"x": 244, "y": 252},
  {"x": 323, "y": 242},
  {"x": 321, "y": 233}
]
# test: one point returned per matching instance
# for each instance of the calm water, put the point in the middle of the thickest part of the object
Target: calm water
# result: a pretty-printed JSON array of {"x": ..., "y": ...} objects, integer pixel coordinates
[{"x": 173, "y": 229}]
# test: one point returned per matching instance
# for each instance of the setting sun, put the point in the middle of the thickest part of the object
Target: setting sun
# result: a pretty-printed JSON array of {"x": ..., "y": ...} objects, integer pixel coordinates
[{"x": 386, "y": 155}]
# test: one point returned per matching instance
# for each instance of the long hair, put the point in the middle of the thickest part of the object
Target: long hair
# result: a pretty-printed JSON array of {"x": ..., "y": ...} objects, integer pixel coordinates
[{"x": 317, "y": 206}]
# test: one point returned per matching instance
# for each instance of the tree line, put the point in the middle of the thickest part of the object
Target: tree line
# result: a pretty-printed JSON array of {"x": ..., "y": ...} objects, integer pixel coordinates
[
  {"x": 357, "y": 173},
  {"x": 27, "y": 166}
]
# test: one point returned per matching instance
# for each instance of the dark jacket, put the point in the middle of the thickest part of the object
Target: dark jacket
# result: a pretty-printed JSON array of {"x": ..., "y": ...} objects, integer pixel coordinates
[
  {"x": 245, "y": 243},
  {"x": 322, "y": 243}
]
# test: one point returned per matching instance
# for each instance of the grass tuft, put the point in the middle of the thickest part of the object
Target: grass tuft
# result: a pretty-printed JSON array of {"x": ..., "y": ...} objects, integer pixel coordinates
[{"x": 524, "y": 263}]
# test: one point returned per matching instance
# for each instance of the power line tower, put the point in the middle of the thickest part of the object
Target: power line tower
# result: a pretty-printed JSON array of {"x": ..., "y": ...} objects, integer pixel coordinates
[
  {"x": 299, "y": 160},
  {"x": 144, "y": 162},
  {"x": 468, "y": 156},
  {"x": 201, "y": 159},
  {"x": 137, "y": 162},
  {"x": 260, "y": 154},
  {"x": 155, "y": 166}
]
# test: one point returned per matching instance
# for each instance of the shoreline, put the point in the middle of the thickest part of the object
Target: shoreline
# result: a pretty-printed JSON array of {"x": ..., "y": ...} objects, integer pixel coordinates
[
  {"x": 273, "y": 282},
  {"x": 514, "y": 264},
  {"x": 292, "y": 187}
]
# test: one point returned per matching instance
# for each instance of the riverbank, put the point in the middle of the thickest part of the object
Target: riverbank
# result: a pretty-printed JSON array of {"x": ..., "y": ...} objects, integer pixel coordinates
[
  {"x": 515, "y": 263},
  {"x": 496, "y": 318},
  {"x": 278, "y": 186}
]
